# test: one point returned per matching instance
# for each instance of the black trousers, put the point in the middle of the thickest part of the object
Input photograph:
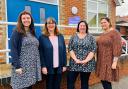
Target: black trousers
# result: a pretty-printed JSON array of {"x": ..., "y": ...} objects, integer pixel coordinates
[
  {"x": 106, "y": 84},
  {"x": 30, "y": 87},
  {"x": 53, "y": 81},
  {"x": 72, "y": 76}
]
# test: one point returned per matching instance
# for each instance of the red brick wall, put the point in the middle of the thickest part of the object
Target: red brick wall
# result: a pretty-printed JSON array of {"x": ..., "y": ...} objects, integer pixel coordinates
[
  {"x": 65, "y": 10},
  {"x": 112, "y": 11}
]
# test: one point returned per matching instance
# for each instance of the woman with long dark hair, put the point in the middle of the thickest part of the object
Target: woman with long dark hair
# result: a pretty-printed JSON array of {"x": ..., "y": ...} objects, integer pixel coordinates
[
  {"x": 26, "y": 68},
  {"x": 82, "y": 47}
]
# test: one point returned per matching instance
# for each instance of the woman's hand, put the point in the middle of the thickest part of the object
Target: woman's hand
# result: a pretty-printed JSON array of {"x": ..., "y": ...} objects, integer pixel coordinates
[
  {"x": 64, "y": 69},
  {"x": 19, "y": 71},
  {"x": 114, "y": 65},
  {"x": 84, "y": 62},
  {"x": 77, "y": 61},
  {"x": 44, "y": 70}
]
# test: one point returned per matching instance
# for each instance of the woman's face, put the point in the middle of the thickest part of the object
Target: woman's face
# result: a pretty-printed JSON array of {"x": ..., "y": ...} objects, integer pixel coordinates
[
  {"x": 26, "y": 20},
  {"x": 105, "y": 24},
  {"x": 51, "y": 26},
  {"x": 82, "y": 27}
]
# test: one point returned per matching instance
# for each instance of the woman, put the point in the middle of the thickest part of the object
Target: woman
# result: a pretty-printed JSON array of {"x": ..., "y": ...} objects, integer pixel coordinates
[
  {"x": 25, "y": 54},
  {"x": 82, "y": 47},
  {"x": 53, "y": 54},
  {"x": 108, "y": 52}
]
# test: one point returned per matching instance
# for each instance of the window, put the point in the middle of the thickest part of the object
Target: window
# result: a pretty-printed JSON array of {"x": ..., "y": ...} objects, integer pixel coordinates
[
  {"x": 96, "y": 9},
  {"x": 28, "y": 8},
  {"x": 42, "y": 15}
]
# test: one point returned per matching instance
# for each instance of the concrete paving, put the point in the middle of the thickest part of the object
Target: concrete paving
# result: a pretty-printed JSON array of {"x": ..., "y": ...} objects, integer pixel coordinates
[{"x": 122, "y": 84}]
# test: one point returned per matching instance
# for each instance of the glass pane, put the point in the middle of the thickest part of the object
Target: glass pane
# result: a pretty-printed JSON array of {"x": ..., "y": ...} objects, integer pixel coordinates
[
  {"x": 92, "y": 6},
  {"x": 28, "y": 8},
  {"x": 102, "y": 7},
  {"x": 92, "y": 19},
  {"x": 42, "y": 15},
  {"x": 101, "y": 15}
]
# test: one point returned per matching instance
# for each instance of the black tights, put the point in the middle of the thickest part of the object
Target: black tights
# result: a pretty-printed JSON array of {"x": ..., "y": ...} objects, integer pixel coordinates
[
  {"x": 30, "y": 87},
  {"x": 106, "y": 84}
]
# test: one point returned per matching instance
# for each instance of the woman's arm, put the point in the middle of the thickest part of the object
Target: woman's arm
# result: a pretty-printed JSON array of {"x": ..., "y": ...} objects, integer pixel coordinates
[
  {"x": 14, "y": 41},
  {"x": 88, "y": 58},
  {"x": 72, "y": 54},
  {"x": 41, "y": 50}
]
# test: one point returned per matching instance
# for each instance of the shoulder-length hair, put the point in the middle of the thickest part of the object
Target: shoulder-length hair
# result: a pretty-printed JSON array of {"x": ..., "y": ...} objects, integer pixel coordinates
[
  {"x": 83, "y": 21},
  {"x": 108, "y": 20},
  {"x": 45, "y": 30},
  {"x": 20, "y": 26}
]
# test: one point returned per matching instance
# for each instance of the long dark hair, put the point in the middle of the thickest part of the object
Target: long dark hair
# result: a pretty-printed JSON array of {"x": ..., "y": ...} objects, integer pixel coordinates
[
  {"x": 83, "y": 21},
  {"x": 20, "y": 26}
]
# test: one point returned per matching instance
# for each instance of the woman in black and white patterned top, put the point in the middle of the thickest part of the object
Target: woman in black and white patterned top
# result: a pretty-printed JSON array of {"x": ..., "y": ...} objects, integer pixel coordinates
[
  {"x": 82, "y": 47},
  {"x": 25, "y": 54}
]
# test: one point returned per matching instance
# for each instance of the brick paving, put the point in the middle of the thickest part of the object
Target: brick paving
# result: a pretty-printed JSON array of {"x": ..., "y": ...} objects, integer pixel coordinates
[{"x": 122, "y": 84}]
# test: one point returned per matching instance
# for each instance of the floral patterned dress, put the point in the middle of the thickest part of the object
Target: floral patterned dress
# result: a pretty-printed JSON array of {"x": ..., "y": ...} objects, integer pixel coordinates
[
  {"x": 81, "y": 48},
  {"x": 30, "y": 63}
]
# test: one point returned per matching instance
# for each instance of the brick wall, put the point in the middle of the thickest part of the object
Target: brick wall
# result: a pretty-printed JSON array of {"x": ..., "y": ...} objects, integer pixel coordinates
[
  {"x": 65, "y": 10},
  {"x": 2, "y": 31},
  {"x": 112, "y": 11},
  {"x": 65, "y": 13}
]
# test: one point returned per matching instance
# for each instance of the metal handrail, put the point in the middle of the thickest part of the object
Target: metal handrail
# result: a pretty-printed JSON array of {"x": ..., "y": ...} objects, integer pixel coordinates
[{"x": 59, "y": 26}]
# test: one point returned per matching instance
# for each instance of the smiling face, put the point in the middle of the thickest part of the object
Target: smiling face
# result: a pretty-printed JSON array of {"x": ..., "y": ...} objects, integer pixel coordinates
[
  {"x": 51, "y": 26},
  {"x": 82, "y": 27},
  {"x": 26, "y": 20},
  {"x": 105, "y": 24}
]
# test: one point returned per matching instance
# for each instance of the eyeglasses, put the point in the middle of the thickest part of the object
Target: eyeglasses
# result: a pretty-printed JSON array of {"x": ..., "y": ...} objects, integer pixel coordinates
[{"x": 51, "y": 23}]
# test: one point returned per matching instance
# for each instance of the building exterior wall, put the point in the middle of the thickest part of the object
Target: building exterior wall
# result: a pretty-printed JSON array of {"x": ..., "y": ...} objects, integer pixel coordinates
[
  {"x": 2, "y": 31},
  {"x": 14, "y": 7},
  {"x": 112, "y": 11},
  {"x": 65, "y": 13},
  {"x": 65, "y": 10}
]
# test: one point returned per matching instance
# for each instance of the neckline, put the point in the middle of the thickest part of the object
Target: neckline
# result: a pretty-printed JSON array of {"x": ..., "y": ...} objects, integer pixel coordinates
[
  {"x": 107, "y": 31},
  {"x": 81, "y": 38}
]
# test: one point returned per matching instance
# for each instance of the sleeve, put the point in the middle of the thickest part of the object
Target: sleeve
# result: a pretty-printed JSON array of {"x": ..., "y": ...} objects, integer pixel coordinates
[
  {"x": 64, "y": 53},
  {"x": 41, "y": 50},
  {"x": 14, "y": 41},
  {"x": 70, "y": 45},
  {"x": 93, "y": 44},
  {"x": 117, "y": 47}
]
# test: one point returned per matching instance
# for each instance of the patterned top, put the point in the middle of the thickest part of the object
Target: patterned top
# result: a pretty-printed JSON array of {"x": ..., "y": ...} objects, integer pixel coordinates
[
  {"x": 81, "y": 48},
  {"x": 109, "y": 46},
  {"x": 30, "y": 63}
]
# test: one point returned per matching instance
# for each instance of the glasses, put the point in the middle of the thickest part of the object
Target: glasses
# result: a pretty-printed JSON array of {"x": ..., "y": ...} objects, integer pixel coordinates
[{"x": 51, "y": 23}]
